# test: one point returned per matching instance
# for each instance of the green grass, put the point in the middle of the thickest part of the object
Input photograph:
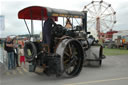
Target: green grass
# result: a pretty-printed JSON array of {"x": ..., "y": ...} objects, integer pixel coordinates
[{"x": 110, "y": 52}]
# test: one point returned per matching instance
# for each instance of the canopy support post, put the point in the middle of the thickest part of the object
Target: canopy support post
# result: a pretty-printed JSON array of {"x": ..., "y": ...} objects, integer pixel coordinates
[
  {"x": 84, "y": 20},
  {"x": 63, "y": 21},
  {"x": 27, "y": 27},
  {"x": 32, "y": 30},
  {"x": 42, "y": 24}
]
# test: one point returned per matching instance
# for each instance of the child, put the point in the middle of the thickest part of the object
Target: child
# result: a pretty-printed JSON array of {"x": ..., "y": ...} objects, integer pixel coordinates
[{"x": 22, "y": 57}]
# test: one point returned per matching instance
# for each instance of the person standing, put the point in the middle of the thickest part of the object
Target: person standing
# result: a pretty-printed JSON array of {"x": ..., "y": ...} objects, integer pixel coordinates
[
  {"x": 10, "y": 52},
  {"x": 48, "y": 24},
  {"x": 15, "y": 52},
  {"x": 22, "y": 57},
  {"x": 47, "y": 37}
]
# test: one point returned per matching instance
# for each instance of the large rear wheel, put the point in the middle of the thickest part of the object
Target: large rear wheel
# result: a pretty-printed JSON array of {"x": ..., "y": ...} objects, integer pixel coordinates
[{"x": 72, "y": 59}]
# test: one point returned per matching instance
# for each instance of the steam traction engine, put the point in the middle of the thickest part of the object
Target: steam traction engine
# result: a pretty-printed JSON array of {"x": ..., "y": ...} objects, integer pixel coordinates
[{"x": 69, "y": 50}]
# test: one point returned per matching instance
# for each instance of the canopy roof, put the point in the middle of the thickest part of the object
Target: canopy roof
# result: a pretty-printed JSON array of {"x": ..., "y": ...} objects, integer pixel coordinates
[{"x": 39, "y": 13}]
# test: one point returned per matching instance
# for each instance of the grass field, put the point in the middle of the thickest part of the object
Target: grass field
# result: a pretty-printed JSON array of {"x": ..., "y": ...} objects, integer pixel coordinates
[{"x": 110, "y": 52}]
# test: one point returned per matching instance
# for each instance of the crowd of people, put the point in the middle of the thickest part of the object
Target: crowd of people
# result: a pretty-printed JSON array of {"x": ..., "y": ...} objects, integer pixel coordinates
[
  {"x": 15, "y": 53},
  {"x": 14, "y": 50}
]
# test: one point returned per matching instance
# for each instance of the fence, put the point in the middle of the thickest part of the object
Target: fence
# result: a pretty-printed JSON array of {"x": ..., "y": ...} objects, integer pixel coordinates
[{"x": 3, "y": 60}]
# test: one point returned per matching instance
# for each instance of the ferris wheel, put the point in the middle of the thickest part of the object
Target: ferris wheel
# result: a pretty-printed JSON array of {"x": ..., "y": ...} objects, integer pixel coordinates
[{"x": 101, "y": 17}]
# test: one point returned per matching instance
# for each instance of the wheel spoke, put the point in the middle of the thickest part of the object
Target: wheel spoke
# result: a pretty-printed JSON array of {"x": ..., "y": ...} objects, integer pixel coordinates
[
  {"x": 106, "y": 15},
  {"x": 70, "y": 49},
  {"x": 107, "y": 20},
  {"x": 91, "y": 20},
  {"x": 91, "y": 25},
  {"x": 74, "y": 51},
  {"x": 65, "y": 62},
  {"x": 104, "y": 11},
  {"x": 99, "y": 9},
  {"x": 90, "y": 17},
  {"x": 90, "y": 12},
  {"x": 94, "y": 8},
  {"x": 66, "y": 53},
  {"x": 105, "y": 26}
]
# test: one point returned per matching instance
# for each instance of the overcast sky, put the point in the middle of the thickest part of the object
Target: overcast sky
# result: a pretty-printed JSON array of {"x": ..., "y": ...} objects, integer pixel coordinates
[{"x": 13, "y": 25}]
